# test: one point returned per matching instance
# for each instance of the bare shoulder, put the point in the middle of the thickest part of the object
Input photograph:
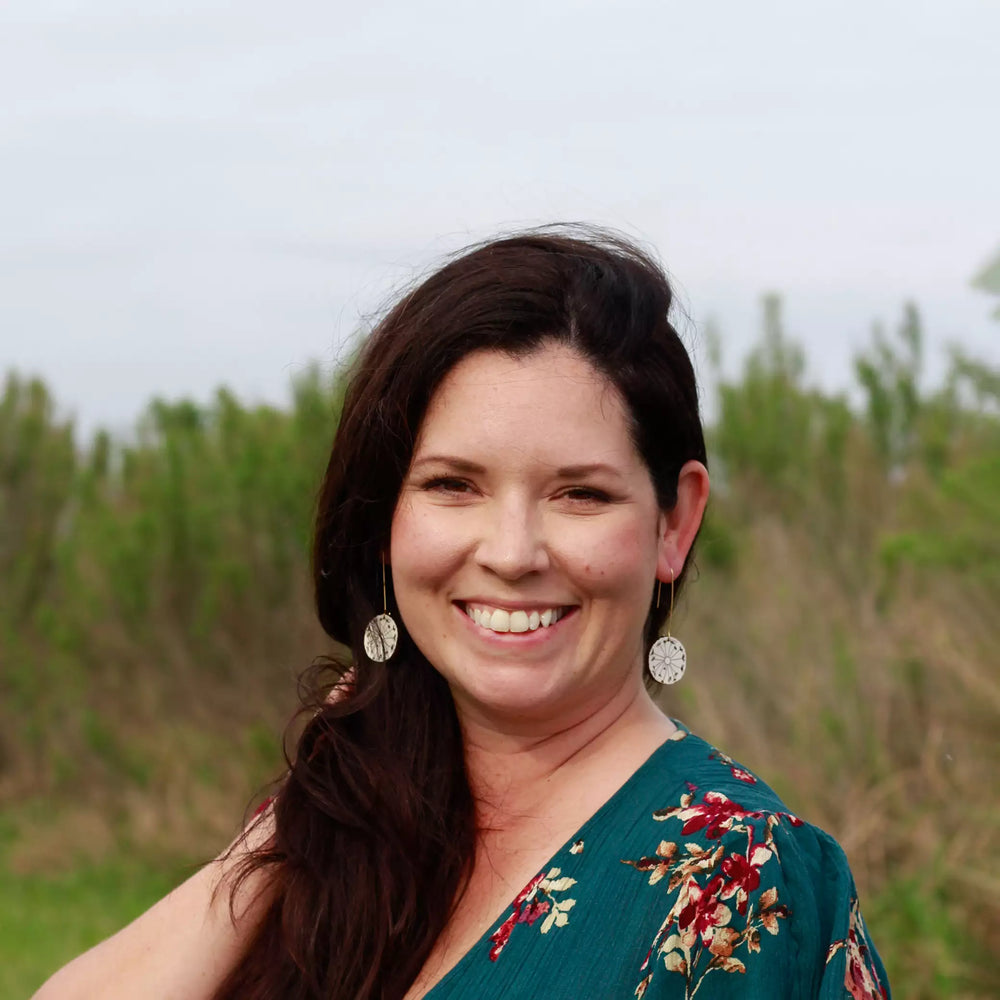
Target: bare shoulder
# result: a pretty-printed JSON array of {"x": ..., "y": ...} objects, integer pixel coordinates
[{"x": 182, "y": 947}]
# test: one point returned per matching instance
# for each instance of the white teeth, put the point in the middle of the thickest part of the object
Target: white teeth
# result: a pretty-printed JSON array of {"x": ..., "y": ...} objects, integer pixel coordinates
[
  {"x": 501, "y": 620},
  {"x": 519, "y": 621}
]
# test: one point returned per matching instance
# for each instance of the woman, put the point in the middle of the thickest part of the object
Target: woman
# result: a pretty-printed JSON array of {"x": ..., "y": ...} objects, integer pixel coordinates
[{"x": 486, "y": 801}]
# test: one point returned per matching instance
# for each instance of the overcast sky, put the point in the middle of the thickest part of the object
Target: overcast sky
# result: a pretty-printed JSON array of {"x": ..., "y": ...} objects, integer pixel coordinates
[{"x": 206, "y": 192}]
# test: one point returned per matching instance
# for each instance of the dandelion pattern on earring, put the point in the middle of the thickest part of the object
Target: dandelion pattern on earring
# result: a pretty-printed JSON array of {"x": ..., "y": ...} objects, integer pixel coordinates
[
  {"x": 667, "y": 660},
  {"x": 381, "y": 635},
  {"x": 382, "y": 632},
  {"x": 667, "y": 657}
]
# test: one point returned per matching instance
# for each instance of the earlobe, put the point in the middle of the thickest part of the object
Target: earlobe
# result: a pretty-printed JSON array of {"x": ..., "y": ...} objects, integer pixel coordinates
[{"x": 680, "y": 525}]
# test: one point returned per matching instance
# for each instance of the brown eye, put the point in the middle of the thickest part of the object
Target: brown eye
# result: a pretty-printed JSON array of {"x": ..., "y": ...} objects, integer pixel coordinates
[
  {"x": 444, "y": 484},
  {"x": 585, "y": 494}
]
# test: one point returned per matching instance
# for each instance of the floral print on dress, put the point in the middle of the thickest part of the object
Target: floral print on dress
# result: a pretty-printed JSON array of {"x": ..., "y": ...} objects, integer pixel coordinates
[
  {"x": 713, "y": 893},
  {"x": 537, "y": 899},
  {"x": 738, "y": 772},
  {"x": 861, "y": 978},
  {"x": 714, "y": 915}
]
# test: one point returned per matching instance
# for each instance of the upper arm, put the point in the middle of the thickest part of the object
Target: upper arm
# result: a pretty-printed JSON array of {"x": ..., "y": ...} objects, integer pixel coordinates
[
  {"x": 839, "y": 960},
  {"x": 182, "y": 947}
]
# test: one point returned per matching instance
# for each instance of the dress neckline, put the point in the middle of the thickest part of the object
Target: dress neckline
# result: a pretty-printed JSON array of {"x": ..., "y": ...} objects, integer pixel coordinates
[{"x": 582, "y": 832}]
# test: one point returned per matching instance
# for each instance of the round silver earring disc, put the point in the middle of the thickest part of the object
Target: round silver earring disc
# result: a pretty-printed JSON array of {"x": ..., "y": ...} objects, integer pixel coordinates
[
  {"x": 667, "y": 660},
  {"x": 381, "y": 636}
]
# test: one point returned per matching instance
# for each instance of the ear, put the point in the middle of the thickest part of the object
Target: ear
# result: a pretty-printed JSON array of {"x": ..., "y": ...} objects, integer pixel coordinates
[{"x": 679, "y": 526}]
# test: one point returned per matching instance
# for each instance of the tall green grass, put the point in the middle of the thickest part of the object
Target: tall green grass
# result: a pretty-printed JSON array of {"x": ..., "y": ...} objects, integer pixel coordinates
[{"x": 842, "y": 635}]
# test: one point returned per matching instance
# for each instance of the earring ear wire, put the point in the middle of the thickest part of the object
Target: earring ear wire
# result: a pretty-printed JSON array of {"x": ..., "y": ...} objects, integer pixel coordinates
[
  {"x": 667, "y": 656},
  {"x": 381, "y": 633}
]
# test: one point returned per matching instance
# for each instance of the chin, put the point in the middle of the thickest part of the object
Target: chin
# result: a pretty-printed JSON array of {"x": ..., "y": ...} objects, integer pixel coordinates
[{"x": 518, "y": 698}]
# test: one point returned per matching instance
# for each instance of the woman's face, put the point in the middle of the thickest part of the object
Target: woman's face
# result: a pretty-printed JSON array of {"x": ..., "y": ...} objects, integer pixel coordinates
[{"x": 527, "y": 538}]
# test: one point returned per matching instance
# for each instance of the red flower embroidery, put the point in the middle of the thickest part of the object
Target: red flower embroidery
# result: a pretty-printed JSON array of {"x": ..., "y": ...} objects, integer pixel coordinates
[
  {"x": 528, "y": 907},
  {"x": 861, "y": 979},
  {"x": 701, "y": 934},
  {"x": 703, "y": 912},
  {"x": 715, "y": 814},
  {"x": 501, "y": 935},
  {"x": 741, "y": 874},
  {"x": 533, "y": 910}
]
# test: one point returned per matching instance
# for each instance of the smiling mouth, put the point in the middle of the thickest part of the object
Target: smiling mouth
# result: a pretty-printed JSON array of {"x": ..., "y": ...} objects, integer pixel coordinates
[{"x": 502, "y": 620}]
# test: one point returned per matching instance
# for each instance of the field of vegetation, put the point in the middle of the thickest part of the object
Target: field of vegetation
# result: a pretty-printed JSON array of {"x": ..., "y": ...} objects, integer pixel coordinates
[{"x": 842, "y": 637}]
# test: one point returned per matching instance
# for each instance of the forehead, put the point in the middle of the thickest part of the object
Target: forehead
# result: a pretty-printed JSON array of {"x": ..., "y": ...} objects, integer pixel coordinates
[{"x": 551, "y": 396}]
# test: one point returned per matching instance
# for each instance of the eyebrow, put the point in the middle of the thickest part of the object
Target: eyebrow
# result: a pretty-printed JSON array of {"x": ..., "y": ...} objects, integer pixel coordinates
[
  {"x": 472, "y": 468},
  {"x": 582, "y": 471},
  {"x": 459, "y": 464}
]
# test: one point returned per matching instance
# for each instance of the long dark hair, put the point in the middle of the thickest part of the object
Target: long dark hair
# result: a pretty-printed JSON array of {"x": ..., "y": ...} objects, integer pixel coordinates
[{"x": 374, "y": 825}]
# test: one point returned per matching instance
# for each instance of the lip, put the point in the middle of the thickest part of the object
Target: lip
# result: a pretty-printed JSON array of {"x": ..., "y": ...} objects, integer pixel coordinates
[
  {"x": 522, "y": 639},
  {"x": 492, "y": 602}
]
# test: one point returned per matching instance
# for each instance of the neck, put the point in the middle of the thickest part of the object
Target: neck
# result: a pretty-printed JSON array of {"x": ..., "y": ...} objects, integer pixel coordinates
[{"x": 514, "y": 768}]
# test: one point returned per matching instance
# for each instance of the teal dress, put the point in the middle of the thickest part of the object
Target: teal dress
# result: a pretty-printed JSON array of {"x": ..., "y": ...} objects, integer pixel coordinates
[{"x": 693, "y": 880}]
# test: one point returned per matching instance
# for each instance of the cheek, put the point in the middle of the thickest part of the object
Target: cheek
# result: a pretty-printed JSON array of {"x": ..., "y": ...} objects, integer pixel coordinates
[
  {"x": 423, "y": 546},
  {"x": 620, "y": 558}
]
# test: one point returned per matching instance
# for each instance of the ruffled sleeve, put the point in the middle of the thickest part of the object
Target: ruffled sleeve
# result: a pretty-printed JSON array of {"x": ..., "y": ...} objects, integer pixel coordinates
[
  {"x": 832, "y": 951},
  {"x": 846, "y": 965}
]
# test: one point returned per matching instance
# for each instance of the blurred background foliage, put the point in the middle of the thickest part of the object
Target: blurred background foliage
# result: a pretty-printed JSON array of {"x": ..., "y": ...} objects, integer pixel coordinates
[{"x": 842, "y": 631}]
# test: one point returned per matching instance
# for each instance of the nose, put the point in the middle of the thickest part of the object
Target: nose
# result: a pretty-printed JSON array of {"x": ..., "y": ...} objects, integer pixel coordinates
[{"x": 512, "y": 542}]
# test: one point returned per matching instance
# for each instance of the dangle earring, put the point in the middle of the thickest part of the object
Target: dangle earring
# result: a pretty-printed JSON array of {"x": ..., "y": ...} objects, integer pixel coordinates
[
  {"x": 381, "y": 633},
  {"x": 667, "y": 657}
]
